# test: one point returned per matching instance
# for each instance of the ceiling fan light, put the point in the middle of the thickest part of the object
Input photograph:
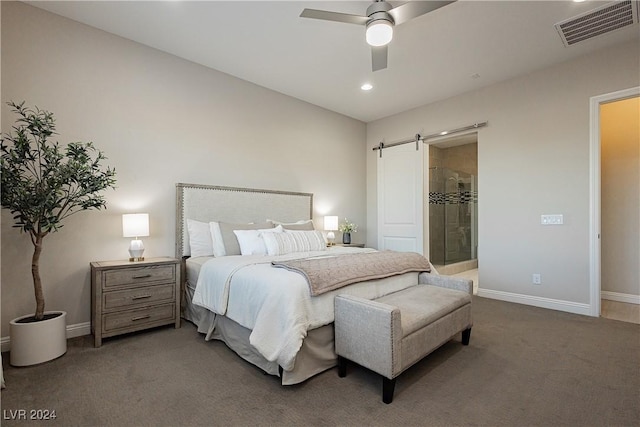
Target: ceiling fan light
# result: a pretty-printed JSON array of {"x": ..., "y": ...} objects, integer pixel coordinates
[{"x": 379, "y": 33}]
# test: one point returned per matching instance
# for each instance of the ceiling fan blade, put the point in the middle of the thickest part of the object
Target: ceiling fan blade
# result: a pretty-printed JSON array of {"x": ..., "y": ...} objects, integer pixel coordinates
[
  {"x": 379, "y": 57},
  {"x": 334, "y": 16},
  {"x": 413, "y": 9}
]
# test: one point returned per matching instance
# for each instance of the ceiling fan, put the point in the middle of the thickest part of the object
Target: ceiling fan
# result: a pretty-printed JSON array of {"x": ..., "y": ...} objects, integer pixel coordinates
[{"x": 380, "y": 20}]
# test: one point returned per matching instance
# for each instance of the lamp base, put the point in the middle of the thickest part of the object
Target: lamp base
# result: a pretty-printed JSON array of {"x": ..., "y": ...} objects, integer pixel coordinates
[
  {"x": 136, "y": 249},
  {"x": 331, "y": 238}
]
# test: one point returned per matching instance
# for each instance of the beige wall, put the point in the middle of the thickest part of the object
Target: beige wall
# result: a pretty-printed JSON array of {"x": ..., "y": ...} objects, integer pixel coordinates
[
  {"x": 160, "y": 120},
  {"x": 533, "y": 159},
  {"x": 620, "y": 196}
]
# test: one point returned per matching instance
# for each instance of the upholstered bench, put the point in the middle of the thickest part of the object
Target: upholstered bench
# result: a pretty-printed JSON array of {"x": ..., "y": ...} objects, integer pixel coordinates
[{"x": 390, "y": 334}]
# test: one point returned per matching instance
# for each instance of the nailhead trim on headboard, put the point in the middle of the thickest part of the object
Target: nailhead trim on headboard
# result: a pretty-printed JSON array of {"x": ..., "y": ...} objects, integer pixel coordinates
[{"x": 232, "y": 204}]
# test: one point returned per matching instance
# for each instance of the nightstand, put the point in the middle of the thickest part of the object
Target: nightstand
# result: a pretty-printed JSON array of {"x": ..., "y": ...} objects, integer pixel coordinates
[
  {"x": 131, "y": 296},
  {"x": 351, "y": 245}
]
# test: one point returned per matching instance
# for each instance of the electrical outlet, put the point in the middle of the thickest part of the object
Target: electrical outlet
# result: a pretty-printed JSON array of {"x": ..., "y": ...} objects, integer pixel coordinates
[{"x": 536, "y": 279}]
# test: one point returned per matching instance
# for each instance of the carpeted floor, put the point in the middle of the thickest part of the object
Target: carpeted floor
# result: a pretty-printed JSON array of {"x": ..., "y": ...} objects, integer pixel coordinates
[{"x": 525, "y": 366}]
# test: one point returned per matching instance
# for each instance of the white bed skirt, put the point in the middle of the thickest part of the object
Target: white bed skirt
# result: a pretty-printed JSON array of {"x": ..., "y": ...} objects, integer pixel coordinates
[{"x": 315, "y": 356}]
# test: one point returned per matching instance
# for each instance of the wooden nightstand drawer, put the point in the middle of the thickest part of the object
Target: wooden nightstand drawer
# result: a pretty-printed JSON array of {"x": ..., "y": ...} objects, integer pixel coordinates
[
  {"x": 138, "y": 296},
  {"x": 138, "y": 275},
  {"x": 143, "y": 318}
]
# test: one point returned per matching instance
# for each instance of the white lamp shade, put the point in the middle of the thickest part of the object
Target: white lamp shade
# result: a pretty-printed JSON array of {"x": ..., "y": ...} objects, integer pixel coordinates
[
  {"x": 135, "y": 225},
  {"x": 331, "y": 223},
  {"x": 379, "y": 33}
]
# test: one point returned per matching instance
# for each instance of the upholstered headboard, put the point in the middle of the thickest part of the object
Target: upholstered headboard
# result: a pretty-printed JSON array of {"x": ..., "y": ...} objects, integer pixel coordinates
[{"x": 230, "y": 204}]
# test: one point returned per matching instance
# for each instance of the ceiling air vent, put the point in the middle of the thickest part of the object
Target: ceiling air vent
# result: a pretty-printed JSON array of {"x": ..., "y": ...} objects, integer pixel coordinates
[{"x": 602, "y": 20}]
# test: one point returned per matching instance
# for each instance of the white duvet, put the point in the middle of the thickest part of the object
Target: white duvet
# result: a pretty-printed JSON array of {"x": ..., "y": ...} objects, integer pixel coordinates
[{"x": 276, "y": 303}]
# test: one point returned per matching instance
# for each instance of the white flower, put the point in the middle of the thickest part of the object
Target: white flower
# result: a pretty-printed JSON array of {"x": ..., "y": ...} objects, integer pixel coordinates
[{"x": 348, "y": 227}]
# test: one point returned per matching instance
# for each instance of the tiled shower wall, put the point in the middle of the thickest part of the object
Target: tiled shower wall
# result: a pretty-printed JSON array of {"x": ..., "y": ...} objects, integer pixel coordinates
[
  {"x": 462, "y": 158},
  {"x": 450, "y": 225}
]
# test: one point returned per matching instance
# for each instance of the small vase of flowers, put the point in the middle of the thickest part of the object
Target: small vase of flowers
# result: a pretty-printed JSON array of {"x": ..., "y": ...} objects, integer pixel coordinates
[{"x": 346, "y": 228}]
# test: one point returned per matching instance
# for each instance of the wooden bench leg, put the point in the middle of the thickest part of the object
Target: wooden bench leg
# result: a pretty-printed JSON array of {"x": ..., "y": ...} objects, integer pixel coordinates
[
  {"x": 387, "y": 389},
  {"x": 342, "y": 367},
  {"x": 466, "y": 335}
]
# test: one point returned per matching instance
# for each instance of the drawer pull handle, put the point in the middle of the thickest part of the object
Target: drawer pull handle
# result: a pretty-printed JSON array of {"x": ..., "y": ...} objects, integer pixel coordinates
[
  {"x": 144, "y": 276},
  {"x": 140, "y": 318},
  {"x": 140, "y": 297}
]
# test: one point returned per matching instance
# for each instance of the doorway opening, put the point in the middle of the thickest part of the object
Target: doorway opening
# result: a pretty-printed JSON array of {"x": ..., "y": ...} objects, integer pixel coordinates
[
  {"x": 620, "y": 209},
  {"x": 453, "y": 204},
  {"x": 613, "y": 278}
]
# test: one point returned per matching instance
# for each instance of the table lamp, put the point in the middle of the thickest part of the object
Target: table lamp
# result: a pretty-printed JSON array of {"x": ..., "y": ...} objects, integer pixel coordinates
[
  {"x": 135, "y": 225},
  {"x": 331, "y": 225}
]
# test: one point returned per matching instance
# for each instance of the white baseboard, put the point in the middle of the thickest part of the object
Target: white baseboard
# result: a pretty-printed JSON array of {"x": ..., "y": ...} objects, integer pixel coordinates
[
  {"x": 616, "y": 296},
  {"x": 5, "y": 344},
  {"x": 553, "y": 304},
  {"x": 77, "y": 330}
]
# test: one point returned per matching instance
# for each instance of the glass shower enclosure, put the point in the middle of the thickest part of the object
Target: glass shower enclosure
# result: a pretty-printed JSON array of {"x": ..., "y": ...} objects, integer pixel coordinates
[{"x": 453, "y": 216}]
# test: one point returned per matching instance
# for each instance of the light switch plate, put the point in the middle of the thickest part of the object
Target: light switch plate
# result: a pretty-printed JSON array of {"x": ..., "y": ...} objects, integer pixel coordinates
[{"x": 551, "y": 219}]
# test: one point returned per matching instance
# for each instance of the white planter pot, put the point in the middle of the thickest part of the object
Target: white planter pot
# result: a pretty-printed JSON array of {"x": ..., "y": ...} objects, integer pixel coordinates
[{"x": 38, "y": 342}]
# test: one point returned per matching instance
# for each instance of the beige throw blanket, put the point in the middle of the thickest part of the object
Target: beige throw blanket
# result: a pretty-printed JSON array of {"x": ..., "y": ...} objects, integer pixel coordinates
[{"x": 325, "y": 274}]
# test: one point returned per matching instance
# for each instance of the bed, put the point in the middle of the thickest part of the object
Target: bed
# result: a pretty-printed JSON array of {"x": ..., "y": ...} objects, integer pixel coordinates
[{"x": 264, "y": 314}]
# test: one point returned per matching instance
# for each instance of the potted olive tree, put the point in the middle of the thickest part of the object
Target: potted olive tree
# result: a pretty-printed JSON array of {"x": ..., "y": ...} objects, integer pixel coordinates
[{"x": 42, "y": 184}]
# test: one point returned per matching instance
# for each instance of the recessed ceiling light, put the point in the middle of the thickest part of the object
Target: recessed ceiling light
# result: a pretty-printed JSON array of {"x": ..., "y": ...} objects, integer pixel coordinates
[{"x": 366, "y": 86}]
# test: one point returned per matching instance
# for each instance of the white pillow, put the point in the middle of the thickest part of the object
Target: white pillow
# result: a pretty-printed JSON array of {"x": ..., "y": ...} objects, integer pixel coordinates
[
  {"x": 225, "y": 242},
  {"x": 216, "y": 237},
  {"x": 294, "y": 241},
  {"x": 200, "y": 243},
  {"x": 251, "y": 241}
]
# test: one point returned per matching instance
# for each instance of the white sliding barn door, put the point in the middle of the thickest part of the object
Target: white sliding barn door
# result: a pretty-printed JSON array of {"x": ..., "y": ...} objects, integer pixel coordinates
[{"x": 400, "y": 198}]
